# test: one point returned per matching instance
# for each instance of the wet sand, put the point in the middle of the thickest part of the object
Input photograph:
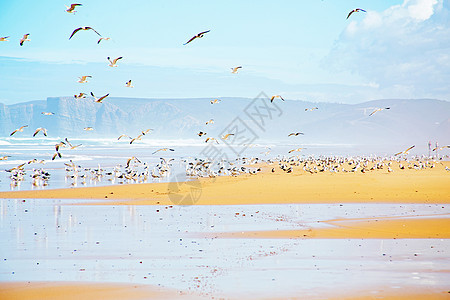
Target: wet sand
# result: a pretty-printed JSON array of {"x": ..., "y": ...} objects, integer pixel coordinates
[{"x": 405, "y": 187}]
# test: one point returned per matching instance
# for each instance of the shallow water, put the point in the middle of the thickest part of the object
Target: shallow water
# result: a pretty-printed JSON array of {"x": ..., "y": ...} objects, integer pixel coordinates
[{"x": 161, "y": 245}]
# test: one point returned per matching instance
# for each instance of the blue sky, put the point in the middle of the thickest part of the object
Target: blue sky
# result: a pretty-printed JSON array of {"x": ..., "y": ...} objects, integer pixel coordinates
[{"x": 304, "y": 50}]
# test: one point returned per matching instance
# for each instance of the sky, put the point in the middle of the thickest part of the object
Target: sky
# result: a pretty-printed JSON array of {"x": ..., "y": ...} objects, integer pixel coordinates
[{"x": 300, "y": 49}]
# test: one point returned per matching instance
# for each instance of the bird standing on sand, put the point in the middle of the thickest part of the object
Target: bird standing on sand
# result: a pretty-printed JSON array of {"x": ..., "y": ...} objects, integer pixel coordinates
[
  {"x": 44, "y": 131},
  {"x": 404, "y": 152},
  {"x": 199, "y": 35},
  {"x": 377, "y": 110},
  {"x": 276, "y": 96},
  {"x": 113, "y": 63},
  {"x": 355, "y": 10},
  {"x": 71, "y": 9},
  {"x": 18, "y": 130},
  {"x": 99, "y": 100},
  {"x": 83, "y": 28},
  {"x": 24, "y": 39},
  {"x": 163, "y": 149},
  {"x": 235, "y": 69},
  {"x": 4, "y": 39},
  {"x": 83, "y": 79},
  {"x": 128, "y": 84},
  {"x": 295, "y": 134}
]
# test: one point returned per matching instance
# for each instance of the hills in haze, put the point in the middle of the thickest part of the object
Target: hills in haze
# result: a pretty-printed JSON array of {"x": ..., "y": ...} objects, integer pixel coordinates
[{"x": 407, "y": 121}]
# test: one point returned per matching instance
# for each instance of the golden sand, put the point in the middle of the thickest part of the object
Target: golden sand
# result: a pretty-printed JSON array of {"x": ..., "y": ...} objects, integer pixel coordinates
[
  {"x": 388, "y": 228},
  {"x": 78, "y": 290},
  {"x": 401, "y": 186}
]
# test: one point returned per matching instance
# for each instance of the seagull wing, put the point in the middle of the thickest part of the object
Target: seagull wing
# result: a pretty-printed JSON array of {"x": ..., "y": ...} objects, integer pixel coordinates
[
  {"x": 350, "y": 14},
  {"x": 193, "y": 38},
  {"x": 101, "y": 98},
  {"x": 75, "y": 31},
  {"x": 409, "y": 149},
  {"x": 93, "y": 30},
  {"x": 204, "y": 32},
  {"x": 115, "y": 60}
]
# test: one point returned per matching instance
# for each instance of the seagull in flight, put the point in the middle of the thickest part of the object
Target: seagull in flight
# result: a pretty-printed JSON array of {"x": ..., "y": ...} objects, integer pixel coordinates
[
  {"x": 211, "y": 139},
  {"x": 201, "y": 133},
  {"x": 80, "y": 96},
  {"x": 18, "y": 130},
  {"x": 355, "y": 10},
  {"x": 123, "y": 135},
  {"x": 71, "y": 9},
  {"x": 113, "y": 63},
  {"x": 70, "y": 145},
  {"x": 144, "y": 132},
  {"x": 199, "y": 35},
  {"x": 276, "y": 96},
  {"x": 83, "y": 79},
  {"x": 88, "y": 128},
  {"x": 210, "y": 122},
  {"x": 440, "y": 148},
  {"x": 163, "y": 149},
  {"x": 377, "y": 110},
  {"x": 103, "y": 38},
  {"x": 128, "y": 84},
  {"x": 44, "y": 131},
  {"x": 296, "y": 150},
  {"x": 311, "y": 109},
  {"x": 405, "y": 152},
  {"x": 226, "y": 136},
  {"x": 83, "y": 28},
  {"x": 47, "y": 113},
  {"x": 235, "y": 69},
  {"x": 295, "y": 134},
  {"x": 215, "y": 101},
  {"x": 99, "y": 100},
  {"x": 24, "y": 39},
  {"x": 4, "y": 39}
]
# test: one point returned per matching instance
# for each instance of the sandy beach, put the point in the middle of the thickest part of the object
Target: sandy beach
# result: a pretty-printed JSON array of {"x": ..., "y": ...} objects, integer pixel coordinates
[{"x": 339, "y": 191}]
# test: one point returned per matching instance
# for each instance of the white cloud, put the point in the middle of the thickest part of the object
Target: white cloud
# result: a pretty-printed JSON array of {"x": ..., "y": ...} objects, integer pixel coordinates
[{"x": 404, "y": 49}]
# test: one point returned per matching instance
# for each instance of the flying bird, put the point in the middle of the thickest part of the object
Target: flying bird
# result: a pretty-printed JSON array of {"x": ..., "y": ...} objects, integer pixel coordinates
[
  {"x": 163, "y": 149},
  {"x": 59, "y": 145},
  {"x": 276, "y": 96},
  {"x": 71, "y": 9},
  {"x": 128, "y": 84},
  {"x": 24, "y": 39},
  {"x": 83, "y": 28},
  {"x": 80, "y": 96},
  {"x": 226, "y": 136},
  {"x": 211, "y": 139},
  {"x": 103, "y": 38},
  {"x": 440, "y": 148},
  {"x": 123, "y": 135},
  {"x": 355, "y": 10},
  {"x": 378, "y": 109},
  {"x": 405, "y": 152},
  {"x": 201, "y": 133},
  {"x": 44, "y": 131},
  {"x": 311, "y": 109},
  {"x": 4, "y": 157},
  {"x": 235, "y": 69},
  {"x": 133, "y": 158},
  {"x": 215, "y": 101},
  {"x": 113, "y": 63},
  {"x": 18, "y": 130},
  {"x": 295, "y": 134},
  {"x": 139, "y": 137},
  {"x": 47, "y": 113},
  {"x": 210, "y": 122},
  {"x": 70, "y": 145},
  {"x": 4, "y": 39},
  {"x": 295, "y": 150},
  {"x": 99, "y": 100},
  {"x": 144, "y": 132},
  {"x": 83, "y": 79},
  {"x": 200, "y": 35},
  {"x": 57, "y": 154},
  {"x": 88, "y": 128}
]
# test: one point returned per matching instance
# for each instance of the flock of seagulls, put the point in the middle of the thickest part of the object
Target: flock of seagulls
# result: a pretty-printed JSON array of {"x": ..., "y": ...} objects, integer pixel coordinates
[{"x": 134, "y": 170}]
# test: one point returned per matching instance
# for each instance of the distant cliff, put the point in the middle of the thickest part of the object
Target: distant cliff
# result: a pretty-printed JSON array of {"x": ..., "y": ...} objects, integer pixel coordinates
[{"x": 406, "y": 121}]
